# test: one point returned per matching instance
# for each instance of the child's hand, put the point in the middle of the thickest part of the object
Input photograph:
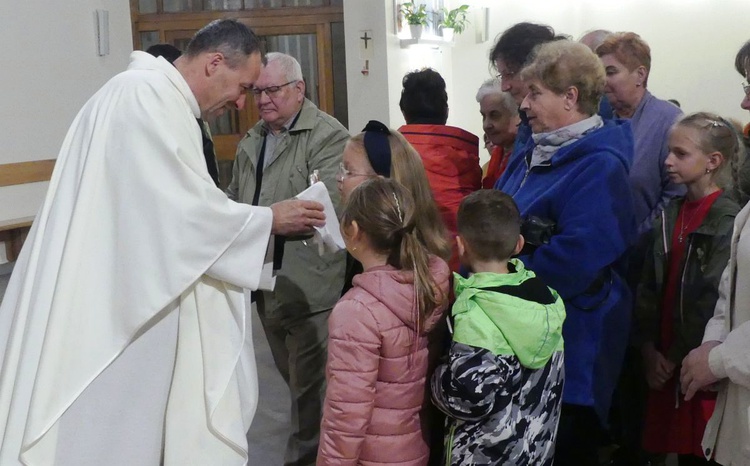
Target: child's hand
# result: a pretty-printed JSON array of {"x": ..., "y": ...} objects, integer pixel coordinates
[{"x": 658, "y": 368}]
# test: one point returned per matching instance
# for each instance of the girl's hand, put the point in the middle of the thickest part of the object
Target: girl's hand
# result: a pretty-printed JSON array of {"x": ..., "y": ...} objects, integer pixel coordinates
[{"x": 658, "y": 368}]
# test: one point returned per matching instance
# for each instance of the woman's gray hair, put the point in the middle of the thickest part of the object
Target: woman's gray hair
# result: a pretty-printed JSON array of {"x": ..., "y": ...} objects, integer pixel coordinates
[
  {"x": 288, "y": 64},
  {"x": 492, "y": 87},
  {"x": 563, "y": 64}
]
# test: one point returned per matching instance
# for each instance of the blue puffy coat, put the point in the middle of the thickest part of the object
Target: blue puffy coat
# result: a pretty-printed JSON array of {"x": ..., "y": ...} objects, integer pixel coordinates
[{"x": 584, "y": 191}]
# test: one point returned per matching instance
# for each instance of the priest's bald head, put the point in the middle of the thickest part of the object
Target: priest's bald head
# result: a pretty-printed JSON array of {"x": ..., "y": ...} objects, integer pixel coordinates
[{"x": 220, "y": 64}]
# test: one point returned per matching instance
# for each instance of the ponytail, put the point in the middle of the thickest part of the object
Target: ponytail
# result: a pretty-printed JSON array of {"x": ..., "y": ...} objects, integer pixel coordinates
[{"x": 385, "y": 211}]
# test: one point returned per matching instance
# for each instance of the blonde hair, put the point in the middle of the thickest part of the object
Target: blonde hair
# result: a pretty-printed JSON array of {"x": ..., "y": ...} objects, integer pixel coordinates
[
  {"x": 407, "y": 169},
  {"x": 387, "y": 214},
  {"x": 561, "y": 64},
  {"x": 718, "y": 135}
]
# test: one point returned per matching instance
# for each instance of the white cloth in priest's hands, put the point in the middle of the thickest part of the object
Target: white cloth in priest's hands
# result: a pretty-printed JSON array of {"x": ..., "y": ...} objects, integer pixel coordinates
[{"x": 328, "y": 237}]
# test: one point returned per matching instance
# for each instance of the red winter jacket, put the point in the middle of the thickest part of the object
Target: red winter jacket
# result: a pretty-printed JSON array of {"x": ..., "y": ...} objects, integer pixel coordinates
[
  {"x": 374, "y": 411},
  {"x": 451, "y": 158}
]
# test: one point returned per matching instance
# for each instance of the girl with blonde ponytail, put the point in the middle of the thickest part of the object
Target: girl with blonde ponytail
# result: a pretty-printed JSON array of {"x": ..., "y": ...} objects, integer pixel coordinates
[
  {"x": 380, "y": 331},
  {"x": 680, "y": 280}
]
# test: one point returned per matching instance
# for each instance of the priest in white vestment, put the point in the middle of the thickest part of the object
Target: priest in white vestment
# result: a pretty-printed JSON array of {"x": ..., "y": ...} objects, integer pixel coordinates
[{"x": 124, "y": 337}]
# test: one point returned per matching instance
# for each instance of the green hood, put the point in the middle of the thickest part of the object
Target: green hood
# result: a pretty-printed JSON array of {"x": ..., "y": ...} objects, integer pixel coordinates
[{"x": 509, "y": 321}]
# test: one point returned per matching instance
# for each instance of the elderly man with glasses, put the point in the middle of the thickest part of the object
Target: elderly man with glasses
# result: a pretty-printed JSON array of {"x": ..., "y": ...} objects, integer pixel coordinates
[{"x": 276, "y": 159}]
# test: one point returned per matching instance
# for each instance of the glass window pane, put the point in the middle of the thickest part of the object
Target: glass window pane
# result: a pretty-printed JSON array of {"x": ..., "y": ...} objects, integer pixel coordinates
[
  {"x": 304, "y": 48},
  {"x": 222, "y": 5},
  {"x": 149, "y": 38},
  {"x": 176, "y": 6},
  {"x": 250, "y": 4},
  {"x": 146, "y": 6},
  {"x": 305, "y": 2},
  {"x": 338, "y": 50},
  {"x": 181, "y": 43}
]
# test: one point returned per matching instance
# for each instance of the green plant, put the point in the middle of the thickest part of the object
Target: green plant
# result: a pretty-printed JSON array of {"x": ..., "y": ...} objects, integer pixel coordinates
[
  {"x": 414, "y": 14},
  {"x": 455, "y": 18}
]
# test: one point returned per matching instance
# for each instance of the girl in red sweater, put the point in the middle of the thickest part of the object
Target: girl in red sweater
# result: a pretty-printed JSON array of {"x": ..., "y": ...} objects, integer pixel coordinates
[{"x": 679, "y": 285}]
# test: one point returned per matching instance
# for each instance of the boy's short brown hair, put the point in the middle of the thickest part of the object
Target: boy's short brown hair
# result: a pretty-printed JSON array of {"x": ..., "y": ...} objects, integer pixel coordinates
[{"x": 489, "y": 223}]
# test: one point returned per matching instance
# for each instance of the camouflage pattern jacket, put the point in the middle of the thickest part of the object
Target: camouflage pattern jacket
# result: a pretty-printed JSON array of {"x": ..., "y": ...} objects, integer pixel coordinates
[{"x": 502, "y": 385}]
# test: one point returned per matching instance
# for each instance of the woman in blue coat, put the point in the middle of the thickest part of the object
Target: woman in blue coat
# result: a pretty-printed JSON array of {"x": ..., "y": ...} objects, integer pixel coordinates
[{"x": 571, "y": 186}]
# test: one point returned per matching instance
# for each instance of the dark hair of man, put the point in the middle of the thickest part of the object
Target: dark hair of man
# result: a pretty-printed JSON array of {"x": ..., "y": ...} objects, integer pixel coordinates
[
  {"x": 168, "y": 51},
  {"x": 489, "y": 223},
  {"x": 423, "y": 98},
  {"x": 742, "y": 60},
  {"x": 515, "y": 44},
  {"x": 229, "y": 37}
]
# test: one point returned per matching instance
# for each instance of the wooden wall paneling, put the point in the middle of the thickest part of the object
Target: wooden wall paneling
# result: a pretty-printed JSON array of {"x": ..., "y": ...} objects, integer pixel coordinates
[{"x": 26, "y": 172}]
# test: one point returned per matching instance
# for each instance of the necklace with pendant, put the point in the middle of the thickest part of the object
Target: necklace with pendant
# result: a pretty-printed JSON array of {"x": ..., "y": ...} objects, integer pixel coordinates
[{"x": 684, "y": 225}]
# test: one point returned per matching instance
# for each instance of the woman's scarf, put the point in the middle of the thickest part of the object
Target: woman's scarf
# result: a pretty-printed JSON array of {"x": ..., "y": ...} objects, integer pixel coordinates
[{"x": 547, "y": 144}]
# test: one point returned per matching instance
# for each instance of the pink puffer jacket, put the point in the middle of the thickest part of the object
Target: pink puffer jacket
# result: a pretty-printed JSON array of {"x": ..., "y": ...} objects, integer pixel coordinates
[{"x": 377, "y": 372}]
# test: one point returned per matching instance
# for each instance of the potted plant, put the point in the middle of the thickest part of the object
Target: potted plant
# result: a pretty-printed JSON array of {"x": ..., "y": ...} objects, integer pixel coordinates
[
  {"x": 454, "y": 21},
  {"x": 416, "y": 17}
]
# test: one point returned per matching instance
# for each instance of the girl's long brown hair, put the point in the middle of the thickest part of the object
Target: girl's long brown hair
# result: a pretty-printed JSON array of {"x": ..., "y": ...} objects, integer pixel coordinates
[
  {"x": 407, "y": 169},
  {"x": 386, "y": 213}
]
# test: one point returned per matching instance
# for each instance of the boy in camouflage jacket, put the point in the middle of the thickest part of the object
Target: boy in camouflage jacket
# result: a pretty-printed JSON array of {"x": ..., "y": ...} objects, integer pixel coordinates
[{"x": 502, "y": 385}]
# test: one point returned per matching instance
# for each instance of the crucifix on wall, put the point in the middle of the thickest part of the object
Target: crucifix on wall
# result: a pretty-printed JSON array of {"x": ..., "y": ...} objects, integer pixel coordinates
[{"x": 366, "y": 49}]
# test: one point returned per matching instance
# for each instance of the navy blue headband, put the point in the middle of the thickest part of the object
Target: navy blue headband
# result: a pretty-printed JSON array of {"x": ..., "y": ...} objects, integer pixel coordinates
[{"x": 378, "y": 148}]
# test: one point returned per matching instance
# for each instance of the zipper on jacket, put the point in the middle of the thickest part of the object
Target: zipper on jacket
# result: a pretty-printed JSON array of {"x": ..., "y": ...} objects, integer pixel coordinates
[
  {"x": 664, "y": 232},
  {"x": 525, "y": 175},
  {"x": 528, "y": 170},
  {"x": 682, "y": 280},
  {"x": 449, "y": 445}
]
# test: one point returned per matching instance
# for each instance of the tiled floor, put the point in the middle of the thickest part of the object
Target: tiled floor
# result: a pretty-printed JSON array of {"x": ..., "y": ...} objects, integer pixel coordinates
[{"x": 268, "y": 434}]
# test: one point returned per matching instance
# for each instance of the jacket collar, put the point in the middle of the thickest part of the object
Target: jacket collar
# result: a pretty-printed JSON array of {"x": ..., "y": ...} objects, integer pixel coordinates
[{"x": 722, "y": 207}]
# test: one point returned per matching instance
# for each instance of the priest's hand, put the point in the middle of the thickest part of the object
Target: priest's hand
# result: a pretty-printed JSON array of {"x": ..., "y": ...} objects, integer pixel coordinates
[
  {"x": 296, "y": 217},
  {"x": 696, "y": 374}
]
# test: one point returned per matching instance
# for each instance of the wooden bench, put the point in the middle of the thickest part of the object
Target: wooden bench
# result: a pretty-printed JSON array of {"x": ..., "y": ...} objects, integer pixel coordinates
[{"x": 14, "y": 231}]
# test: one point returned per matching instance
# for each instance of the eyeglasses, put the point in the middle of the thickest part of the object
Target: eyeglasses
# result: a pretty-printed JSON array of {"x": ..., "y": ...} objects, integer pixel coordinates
[
  {"x": 271, "y": 91},
  {"x": 746, "y": 88},
  {"x": 506, "y": 75},
  {"x": 344, "y": 173}
]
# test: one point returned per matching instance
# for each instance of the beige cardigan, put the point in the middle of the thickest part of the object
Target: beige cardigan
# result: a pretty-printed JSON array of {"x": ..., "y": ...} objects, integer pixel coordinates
[{"x": 727, "y": 435}]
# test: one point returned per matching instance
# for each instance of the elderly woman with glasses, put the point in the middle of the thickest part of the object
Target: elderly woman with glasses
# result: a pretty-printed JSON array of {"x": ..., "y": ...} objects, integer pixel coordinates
[
  {"x": 569, "y": 184},
  {"x": 509, "y": 54}
]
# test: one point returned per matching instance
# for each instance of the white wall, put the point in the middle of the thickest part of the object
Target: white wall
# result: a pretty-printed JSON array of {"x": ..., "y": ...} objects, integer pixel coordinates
[
  {"x": 376, "y": 96},
  {"x": 50, "y": 69},
  {"x": 693, "y": 43},
  {"x": 367, "y": 95}
]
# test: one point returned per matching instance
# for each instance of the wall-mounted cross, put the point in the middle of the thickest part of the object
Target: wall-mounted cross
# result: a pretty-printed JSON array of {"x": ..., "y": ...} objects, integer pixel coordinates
[{"x": 366, "y": 38}]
